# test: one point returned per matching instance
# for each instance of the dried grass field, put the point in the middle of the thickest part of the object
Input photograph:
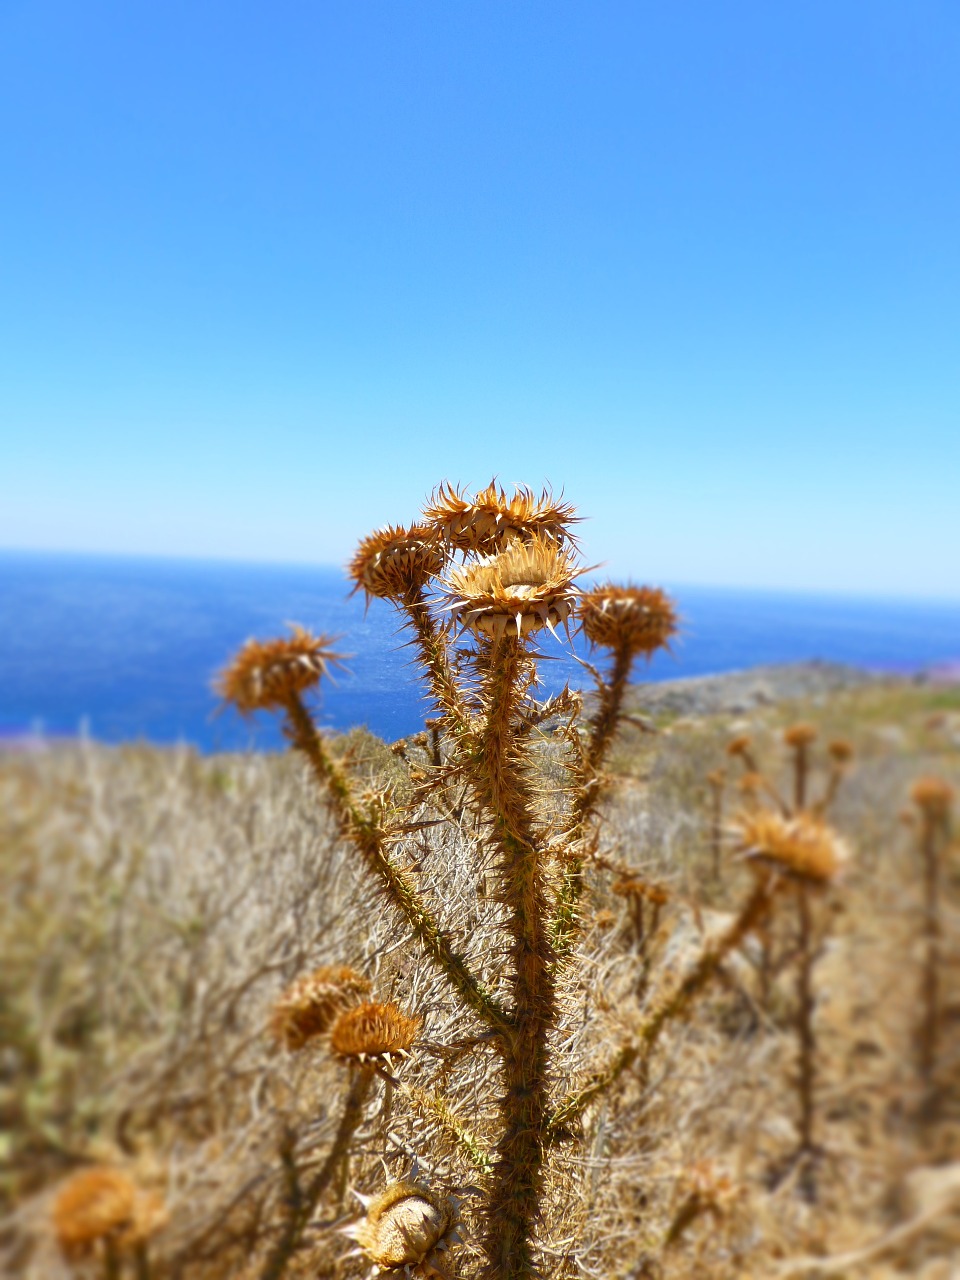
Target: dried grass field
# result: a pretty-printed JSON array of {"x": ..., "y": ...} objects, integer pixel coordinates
[{"x": 157, "y": 904}]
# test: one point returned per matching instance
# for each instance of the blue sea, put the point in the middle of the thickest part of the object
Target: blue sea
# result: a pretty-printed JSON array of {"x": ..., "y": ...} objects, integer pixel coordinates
[{"x": 123, "y": 649}]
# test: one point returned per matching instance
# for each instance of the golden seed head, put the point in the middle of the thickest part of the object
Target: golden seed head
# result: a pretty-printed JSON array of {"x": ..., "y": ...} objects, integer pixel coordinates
[
  {"x": 394, "y": 561},
  {"x": 840, "y": 750},
  {"x": 634, "y": 887},
  {"x": 373, "y": 1031},
  {"x": 528, "y": 586},
  {"x": 101, "y": 1204},
  {"x": 265, "y": 674},
  {"x": 488, "y": 522},
  {"x": 799, "y": 735},
  {"x": 405, "y": 1226},
  {"x": 604, "y": 919},
  {"x": 717, "y": 778},
  {"x": 802, "y": 847},
  {"x": 637, "y": 619},
  {"x": 739, "y": 746},
  {"x": 309, "y": 1006},
  {"x": 933, "y": 795}
]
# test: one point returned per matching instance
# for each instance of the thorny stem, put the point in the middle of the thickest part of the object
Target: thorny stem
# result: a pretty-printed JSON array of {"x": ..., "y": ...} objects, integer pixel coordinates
[
  {"x": 929, "y": 993},
  {"x": 603, "y": 727},
  {"x": 301, "y": 1202},
  {"x": 502, "y": 790},
  {"x": 434, "y": 655},
  {"x": 365, "y": 836},
  {"x": 805, "y": 1036},
  {"x": 425, "y": 1103},
  {"x": 675, "y": 1004}
]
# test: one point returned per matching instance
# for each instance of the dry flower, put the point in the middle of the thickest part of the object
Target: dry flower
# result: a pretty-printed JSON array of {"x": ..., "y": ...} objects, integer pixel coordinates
[
  {"x": 374, "y": 1032},
  {"x": 309, "y": 1006},
  {"x": 104, "y": 1205},
  {"x": 635, "y": 619},
  {"x": 266, "y": 674},
  {"x": 406, "y": 1227},
  {"x": 803, "y": 847},
  {"x": 840, "y": 750},
  {"x": 393, "y": 562},
  {"x": 524, "y": 588},
  {"x": 739, "y": 746},
  {"x": 799, "y": 735},
  {"x": 933, "y": 795},
  {"x": 486, "y": 523}
]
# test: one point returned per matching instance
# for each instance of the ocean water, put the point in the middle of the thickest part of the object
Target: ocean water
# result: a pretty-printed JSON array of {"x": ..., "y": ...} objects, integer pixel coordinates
[{"x": 126, "y": 648}]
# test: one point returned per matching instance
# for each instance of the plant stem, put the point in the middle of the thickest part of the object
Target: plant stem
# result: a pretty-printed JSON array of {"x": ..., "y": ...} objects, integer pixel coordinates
[
  {"x": 364, "y": 834},
  {"x": 303, "y": 1202},
  {"x": 806, "y": 1041},
  {"x": 929, "y": 993},
  {"x": 502, "y": 789}
]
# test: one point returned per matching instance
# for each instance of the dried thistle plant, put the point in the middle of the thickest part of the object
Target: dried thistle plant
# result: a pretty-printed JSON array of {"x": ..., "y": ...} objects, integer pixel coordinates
[{"x": 480, "y": 581}]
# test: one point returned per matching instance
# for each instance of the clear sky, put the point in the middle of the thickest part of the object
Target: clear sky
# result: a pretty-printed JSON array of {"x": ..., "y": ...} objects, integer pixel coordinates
[{"x": 271, "y": 271}]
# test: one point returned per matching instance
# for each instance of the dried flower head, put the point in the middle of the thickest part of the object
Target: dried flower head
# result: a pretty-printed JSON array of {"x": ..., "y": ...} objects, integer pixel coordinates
[
  {"x": 374, "y": 1032},
  {"x": 751, "y": 784},
  {"x": 488, "y": 522},
  {"x": 739, "y": 746},
  {"x": 393, "y": 562},
  {"x": 406, "y": 1227},
  {"x": 840, "y": 750},
  {"x": 604, "y": 919},
  {"x": 635, "y": 619},
  {"x": 934, "y": 796},
  {"x": 524, "y": 588},
  {"x": 309, "y": 1006},
  {"x": 713, "y": 1186},
  {"x": 802, "y": 847},
  {"x": 717, "y": 778},
  {"x": 799, "y": 735},
  {"x": 104, "y": 1205},
  {"x": 265, "y": 674},
  {"x": 634, "y": 887}
]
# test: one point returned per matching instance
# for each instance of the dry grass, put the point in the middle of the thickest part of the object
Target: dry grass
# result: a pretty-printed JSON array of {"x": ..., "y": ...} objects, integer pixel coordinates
[{"x": 157, "y": 904}]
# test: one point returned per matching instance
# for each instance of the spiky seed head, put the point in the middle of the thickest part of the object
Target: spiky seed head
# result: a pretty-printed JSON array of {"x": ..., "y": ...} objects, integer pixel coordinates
[
  {"x": 394, "y": 561},
  {"x": 101, "y": 1204},
  {"x": 840, "y": 750},
  {"x": 739, "y": 746},
  {"x": 405, "y": 1227},
  {"x": 933, "y": 796},
  {"x": 528, "y": 586},
  {"x": 635, "y": 619},
  {"x": 265, "y": 674},
  {"x": 309, "y": 1006},
  {"x": 634, "y": 887},
  {"x": 486, "y": 523},
  {"x": 803, "y": 847},
  {"x": 717, "y": 778},
  {"x": 373, "y": 1032},
  {"x": 799, "y": 735},
  {"x": 604, "y": 919}
]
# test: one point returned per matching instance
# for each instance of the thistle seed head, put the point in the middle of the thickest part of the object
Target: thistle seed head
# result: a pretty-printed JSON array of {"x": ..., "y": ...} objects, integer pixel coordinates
[
  {"x": 394, "y": 561},
  {"x": 799, "y": 735},
  {"x": 265, "y": 674},
  {"x": 406, "y": 1227},
  {"x": 739, "y": 746},
  {"x": 840, "y": 750},
  {"x": 933, "y": 796},
  {"x": 309, "y": 1006},
  {"x": 637, "y": 619},
  {"x": 802, "y": 847},
  {"x": 101, "y": 1204},
  {"x": 488, "y": 522},
  {"x": 528, "y": 586},
  {"x": 374, "y": 1033}
]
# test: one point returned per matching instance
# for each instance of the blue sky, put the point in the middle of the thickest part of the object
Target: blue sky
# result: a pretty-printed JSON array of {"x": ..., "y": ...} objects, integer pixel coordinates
[{"x": 270, "y": 272}]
